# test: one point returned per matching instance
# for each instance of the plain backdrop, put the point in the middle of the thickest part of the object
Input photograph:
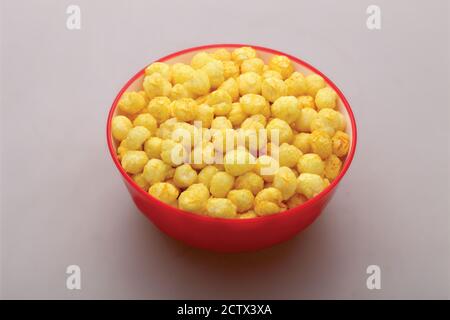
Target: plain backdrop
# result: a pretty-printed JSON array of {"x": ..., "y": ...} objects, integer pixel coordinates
[{"x": 63, "y": 201}]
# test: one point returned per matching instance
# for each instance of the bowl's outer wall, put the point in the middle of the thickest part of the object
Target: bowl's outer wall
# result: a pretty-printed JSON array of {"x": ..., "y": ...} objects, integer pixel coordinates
[
  {"x": 223, "y": 237},
  {"x": 230, "y": 235}
]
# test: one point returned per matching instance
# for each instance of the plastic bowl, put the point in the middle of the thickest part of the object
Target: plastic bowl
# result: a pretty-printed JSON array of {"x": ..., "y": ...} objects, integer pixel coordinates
[{"x": 231, "y": 235}]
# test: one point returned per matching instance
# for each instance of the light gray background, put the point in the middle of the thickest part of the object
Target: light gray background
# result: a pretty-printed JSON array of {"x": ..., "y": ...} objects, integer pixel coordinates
[{"x": 63, "y": 202}]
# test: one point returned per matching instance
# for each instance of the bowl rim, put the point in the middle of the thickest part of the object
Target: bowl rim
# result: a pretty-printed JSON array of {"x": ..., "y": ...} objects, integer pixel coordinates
[{"x": 205, "y": 218}]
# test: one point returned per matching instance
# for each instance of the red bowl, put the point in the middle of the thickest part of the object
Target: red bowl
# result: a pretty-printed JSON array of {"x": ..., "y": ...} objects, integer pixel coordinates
[{"x": 231, "y": 235}]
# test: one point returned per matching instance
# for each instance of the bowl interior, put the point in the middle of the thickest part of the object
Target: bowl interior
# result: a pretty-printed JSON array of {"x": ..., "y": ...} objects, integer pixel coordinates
[{"x": 264, "y": 54}]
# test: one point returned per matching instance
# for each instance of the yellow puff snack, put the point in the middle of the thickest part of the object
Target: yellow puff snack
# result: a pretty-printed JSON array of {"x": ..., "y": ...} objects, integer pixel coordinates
[
  {"x": 152, "y": 147},
  {"x": 249, "y": 82},
  {"x": 288, "y": 155},
  {"x": 266, "y": 166},
  {"x": 198, "y": 84},
  {"x": 282, "y": 64},
  {"x": 332, "y": 167},
  {"x": 273, "y": 88},
  {"x": 311, "y": 163},
  {"x": 306, "y": 102},
  {"x": 131, "y": 102},
  {"x": 134, "y": 161},
  {"x": 296, "y": 84},
  {"x": 271, "y": 74},
  {"x": 250, "y": 181},
  {"x": 303, "y": 142},
  {"x": 215, "y": 72},
  {"x": 310, "y": 184},
  {"x": 242, "y": 199},
  {"x": 136, "y": 137},
  {"x": 155, "y": 171},
  {"x": 286, "y": 108},
  {"x": 240, "y": 54},
  {"x": 230, "y": 69},
  {"x": 314, "y": 83},
  {"x": 221, "y": 183},
  {"x": 201, "y": 59},
  {"x": 237, "y": 114},
  {"x": 231, "y": 86},
  {"x": 184, "y": 109},
  {"x": 181, "y": 73},
  {"x": 252, "y": 65},
  {"x": 220, "y": 101},
  {"x": 178, "y": 92},
  {"x": 205, "y": 114},
  {"x": 120, "y": 126},
  {"x": 326, "y": 98},
  {"x": 296, "y": 200},
  {"x": 172, "y": 153},
  {"x": 159, "y": 108},
  {"x": 146, "y": 120},
  {"x": 303, "y": 122},
  {"x": 184, "y": 176},
  {"x": 281, "y": 128},
  {"x": 341, "y": 143},
  {"x": 252, "y": 103},
  {"x": 165, "y": 192},
  {"x": 140, "y": 181},
  {"x": 161, "y": 68},
  {"x": 194, "y": 198},
  {"x": 321, "y": 144},
  {"x": 221, "y": 208},
  {"x": 222, "y": 54},
  {"x": 155, "y": 85},
  {"x": 238, "y": 161},
  {"x": 268, "y": 201},
  {"x": 285, "y": 181},
  {"x": 206, "y": 175}
]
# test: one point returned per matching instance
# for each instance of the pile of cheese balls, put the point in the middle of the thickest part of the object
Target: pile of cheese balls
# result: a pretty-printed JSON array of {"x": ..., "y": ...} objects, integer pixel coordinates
[{"x": 233, "y": 91}]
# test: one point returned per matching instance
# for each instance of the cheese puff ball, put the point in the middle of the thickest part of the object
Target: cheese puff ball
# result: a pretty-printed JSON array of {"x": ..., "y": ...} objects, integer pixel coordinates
[
  {"x": 282, "y": 64},
  {"x": 134, "y": 161},
  {"x": 120, "y": 126},
  {"x": 325, "y": 98},
  {"x": 332, "y": 167},
  {"x": 230, "y": 69},
  {"x": 140, "y": 181},
  {"x": 204, "y": 114},
  {"x": 165, "y": 192},
  {"x": 237, "y": 114},
  {"x": 247, "y": 215},
  {"x": 198, "y": 84},
  {"x": 252, "y": 103},
  {"x": 172, "y": 153},
  {"x": 122, "y": 149},
  {"x": 231, "y": 86},
  {"x": 155, "y": 85},
  {"x": 184, "y": 176},
  {"x": 296, "y": 200},
  {"x": 202, "y": 155},
  {"x": 296, "y": 84},
  {"x": 303, "y": 142},
  {"x": 281, "y": 128},
  {"x": 273, "y": 88},
  {"x": 220, "y": 101},
  {"x": 184, "y": 109},
  {"x": 161, "y": 68},
  {"x": 201, "y": 59},
  {"x": 288, "y": 155},
  {"x": 250, "y": 181},
  {"x": 333, "y": 117},
  {"x": 152, "y": 147},
  {"x": 249, "y": 82},
  {"x": 242, "y": 199},
  {"x": 131, "y": 102},
  {"x": 179, "y": 92},
  {"x": 272, "y": 74},
  {"x": 214, "y": 70},
  {"x": 146, "y": 120},
  {"x": 239, "y": 161},
  {"x": 286, "y": 108},
  {"x": 321, "y": 144},
  {"x": 166, "y": 128},
  {"x": 221, "y": 208},
  {"x": 159, "y": 108},
  {"x": 194, "y": 198},
  {"x": 221, "y": 123},
  {"x": 181, "y": 73},
  {"x": 221, "y": 183},
  {"x": 136, "y": 137},
  {"x": 306, "y": 102},
  {"x": 222, "y": 54},
  {"x": 341, "y": 143},
  {"x": 252, "y": 65},
  {"x": 320, "y": 123},
  {"x": 268, "y": 201},
  {"x": 303, "y": 122},
  {"x": 144, "y": 95},
  {"x": 314, "y": 83},
  {"x": 266, "y": 167},
  {"x": 239, "y": 55},
  {"x": 155, "y": 171},
  {"x": 285, "y": 181},
  {"x": 310, "y": 184},
  {"x": 311, "y": 163},
  {"x": 206, "y": 174}
]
